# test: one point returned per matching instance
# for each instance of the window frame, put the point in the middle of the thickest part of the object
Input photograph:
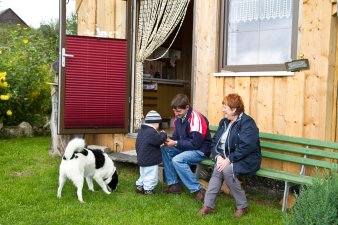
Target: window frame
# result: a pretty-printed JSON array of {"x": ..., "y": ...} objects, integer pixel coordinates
[{"x": 254, "y": 67}]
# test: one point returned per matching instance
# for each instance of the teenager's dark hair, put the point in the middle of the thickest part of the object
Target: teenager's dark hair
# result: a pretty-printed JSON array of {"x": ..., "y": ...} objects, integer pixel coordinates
[{"x": 180, "y": 101}]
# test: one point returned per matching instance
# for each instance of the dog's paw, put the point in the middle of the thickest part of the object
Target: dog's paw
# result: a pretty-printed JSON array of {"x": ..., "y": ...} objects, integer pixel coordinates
[
  {"x": 108, "y": 192},
  {"x": 92, "y": 190}
]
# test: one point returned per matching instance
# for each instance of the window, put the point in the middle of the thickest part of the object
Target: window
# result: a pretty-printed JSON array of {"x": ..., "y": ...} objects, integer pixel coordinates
[{"x": 258, "y": 35}]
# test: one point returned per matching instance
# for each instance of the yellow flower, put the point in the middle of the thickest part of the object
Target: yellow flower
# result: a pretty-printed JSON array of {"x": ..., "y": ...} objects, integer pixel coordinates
[
  {"x": 3, "y": 74},
  {"x": 0, "y": 52},
  {"x": 5, "y": 97},
  {"x": 18, "y": 24},
  {"x": 9, "y": 112},
  {"x": 3, "y": 84},
  {"x": 25, "y": 28},
  {"x": 25, "y": 41},
  {"x": 34, "y": 94}
]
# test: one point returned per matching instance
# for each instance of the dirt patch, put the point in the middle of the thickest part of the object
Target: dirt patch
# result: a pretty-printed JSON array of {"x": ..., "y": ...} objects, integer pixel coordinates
[{"x": 22, "y": 173}]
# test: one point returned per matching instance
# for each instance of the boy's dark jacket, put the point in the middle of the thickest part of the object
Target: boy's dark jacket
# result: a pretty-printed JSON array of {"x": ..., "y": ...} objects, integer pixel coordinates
[
  {"x": 148, "y": 143},
  {"x": 242, "y": 145}
]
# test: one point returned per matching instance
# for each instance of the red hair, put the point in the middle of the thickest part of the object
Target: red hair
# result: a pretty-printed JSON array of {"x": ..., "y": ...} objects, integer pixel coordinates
[{"x": 234, "y": 101}]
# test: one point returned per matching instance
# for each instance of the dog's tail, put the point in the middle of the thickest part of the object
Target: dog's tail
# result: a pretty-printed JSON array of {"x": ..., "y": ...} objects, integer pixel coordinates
[{"x": 75, "y": 145}]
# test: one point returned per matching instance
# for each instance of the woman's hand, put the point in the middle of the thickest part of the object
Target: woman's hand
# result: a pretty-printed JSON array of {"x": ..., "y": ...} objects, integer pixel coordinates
[{"x": 221, "y": 163}]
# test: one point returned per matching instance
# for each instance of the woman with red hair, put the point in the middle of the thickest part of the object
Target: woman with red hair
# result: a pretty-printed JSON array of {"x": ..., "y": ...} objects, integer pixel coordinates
[{"x": 236, "y": 151}]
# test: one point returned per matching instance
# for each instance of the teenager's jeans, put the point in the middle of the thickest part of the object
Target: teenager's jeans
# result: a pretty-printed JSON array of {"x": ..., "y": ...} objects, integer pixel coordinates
[
  {"x": 177, "y": 166},
  {"x": 148, "y": 177}
]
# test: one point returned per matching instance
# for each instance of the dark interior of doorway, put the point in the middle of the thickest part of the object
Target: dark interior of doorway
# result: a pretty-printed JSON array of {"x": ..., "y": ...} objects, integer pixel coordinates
[{"x": 170, "y": 75}]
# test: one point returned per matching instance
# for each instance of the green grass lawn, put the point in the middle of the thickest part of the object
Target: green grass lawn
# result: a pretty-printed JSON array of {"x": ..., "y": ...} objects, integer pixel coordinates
[{"x": 29, "y": 181}]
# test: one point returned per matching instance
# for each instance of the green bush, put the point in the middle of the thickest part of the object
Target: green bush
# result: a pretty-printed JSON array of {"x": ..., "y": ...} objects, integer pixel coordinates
[
  {"x": 316, "y": 203},
  {"x": 27, "y": 59}
]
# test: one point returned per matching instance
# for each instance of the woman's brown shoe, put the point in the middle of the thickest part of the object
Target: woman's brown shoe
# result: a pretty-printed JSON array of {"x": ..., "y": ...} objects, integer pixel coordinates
[
  {"x": 205, "y": 210},
  {"x": 241, "y": 212}
]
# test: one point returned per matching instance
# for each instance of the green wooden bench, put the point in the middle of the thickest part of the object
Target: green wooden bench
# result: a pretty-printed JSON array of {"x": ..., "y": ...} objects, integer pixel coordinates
[{"x": 302, "y": 153}]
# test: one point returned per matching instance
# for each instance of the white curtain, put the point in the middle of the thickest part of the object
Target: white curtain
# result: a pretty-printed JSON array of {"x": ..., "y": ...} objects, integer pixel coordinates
[
  {"x": 249, "y": 10},
  {"x": 157, "y": 20}
]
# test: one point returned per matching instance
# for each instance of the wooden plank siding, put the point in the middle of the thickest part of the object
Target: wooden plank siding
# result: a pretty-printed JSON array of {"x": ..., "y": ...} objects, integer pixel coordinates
[
  {"x": 334, "y": 127},
  {"x": 303, "y": 105},
  {"x": 86, "y": 13},
  {"x": 102, "y": 16},
  {"x": 205, "y": 50}
]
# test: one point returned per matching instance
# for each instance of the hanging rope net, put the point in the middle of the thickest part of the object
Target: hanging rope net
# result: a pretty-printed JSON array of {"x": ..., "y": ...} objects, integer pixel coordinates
[{"x": 157, "y": 20}]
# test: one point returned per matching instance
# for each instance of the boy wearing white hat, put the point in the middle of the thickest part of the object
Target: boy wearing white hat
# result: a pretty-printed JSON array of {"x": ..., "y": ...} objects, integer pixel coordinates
[{"x": 148, "y": 143}]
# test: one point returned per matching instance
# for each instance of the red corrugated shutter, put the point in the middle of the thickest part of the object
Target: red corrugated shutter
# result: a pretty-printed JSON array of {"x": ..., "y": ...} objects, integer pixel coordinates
[{"x": 95, "y": 83}]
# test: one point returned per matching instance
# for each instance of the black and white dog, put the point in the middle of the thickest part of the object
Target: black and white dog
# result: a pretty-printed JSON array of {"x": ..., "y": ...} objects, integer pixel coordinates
[{"x": 79, "y": 162}]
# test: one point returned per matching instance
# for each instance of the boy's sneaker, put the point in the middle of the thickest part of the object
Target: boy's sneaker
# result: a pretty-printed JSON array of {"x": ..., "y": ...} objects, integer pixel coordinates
[
  {"x": 139, "y": 189},
  {"x": 148, "y": 192}
]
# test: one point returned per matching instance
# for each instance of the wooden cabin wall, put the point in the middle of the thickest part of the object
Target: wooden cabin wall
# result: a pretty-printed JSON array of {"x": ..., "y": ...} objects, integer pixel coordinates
[
  {"x": 303, "y": 105},
  {"x": 335, "y": 90},
  {"x": 104, "y": 18},
  {"x": 204, "y": 51}
]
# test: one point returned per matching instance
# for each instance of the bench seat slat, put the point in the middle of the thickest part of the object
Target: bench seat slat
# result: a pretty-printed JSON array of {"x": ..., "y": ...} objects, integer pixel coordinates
[
  {"x": 299, "y": 150},
  {"x": 284, "y": 176},
  {"x": 207, "y": 162},
  {"x": 274, "y": 174},
  {"x": 299, "y": 160}
]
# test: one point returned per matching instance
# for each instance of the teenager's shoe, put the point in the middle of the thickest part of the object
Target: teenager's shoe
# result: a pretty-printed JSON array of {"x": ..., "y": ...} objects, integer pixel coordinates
[
  {"x": 205, "y": 210},
  {"x": 173, "y": 189},
  {"x": 241, "y": 212},
  {"x": 199, "y": 195}
]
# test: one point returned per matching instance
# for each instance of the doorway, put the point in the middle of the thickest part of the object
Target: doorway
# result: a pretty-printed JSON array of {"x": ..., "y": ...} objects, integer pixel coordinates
[
  {"x": 170, "y": 75},
  {"x": 94, "y": 82}
]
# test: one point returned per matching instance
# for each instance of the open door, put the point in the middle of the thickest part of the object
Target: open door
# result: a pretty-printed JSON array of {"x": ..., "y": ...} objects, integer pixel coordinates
[{"x": 94, "y": 68}]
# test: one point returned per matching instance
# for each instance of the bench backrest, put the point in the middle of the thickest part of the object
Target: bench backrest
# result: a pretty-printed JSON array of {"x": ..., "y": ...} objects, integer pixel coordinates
[{"x": 302, "y": 151}]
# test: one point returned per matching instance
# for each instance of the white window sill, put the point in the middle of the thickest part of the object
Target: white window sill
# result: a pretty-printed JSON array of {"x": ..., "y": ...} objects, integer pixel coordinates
[{"x": 254, "y": 74}]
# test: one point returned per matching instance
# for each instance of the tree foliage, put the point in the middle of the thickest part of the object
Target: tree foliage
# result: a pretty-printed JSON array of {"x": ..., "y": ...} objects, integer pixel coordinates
[{"x": 27, "y": 59}]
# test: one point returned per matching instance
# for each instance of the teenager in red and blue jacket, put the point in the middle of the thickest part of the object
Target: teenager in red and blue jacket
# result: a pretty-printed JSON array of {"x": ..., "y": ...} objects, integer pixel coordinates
[{"x": 189, "y": 145}]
